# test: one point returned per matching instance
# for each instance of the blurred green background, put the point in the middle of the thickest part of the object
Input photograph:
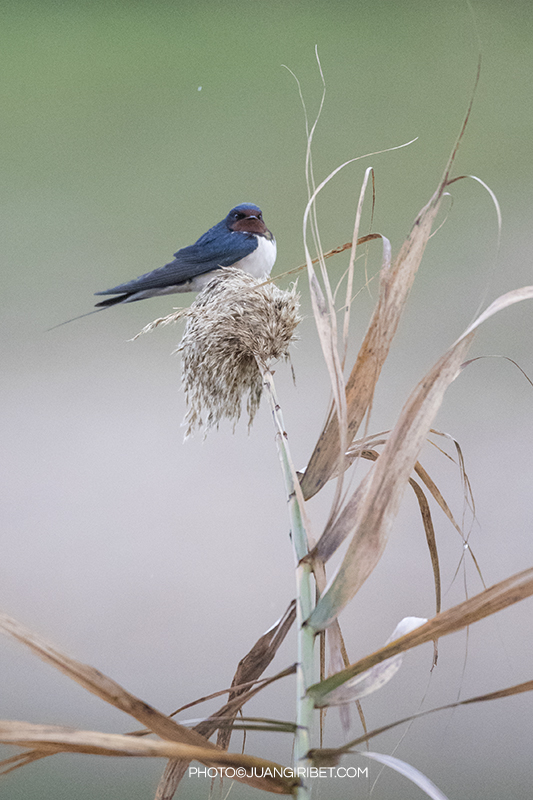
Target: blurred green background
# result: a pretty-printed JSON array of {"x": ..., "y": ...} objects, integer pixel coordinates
[{"x": 128, "y": 129}]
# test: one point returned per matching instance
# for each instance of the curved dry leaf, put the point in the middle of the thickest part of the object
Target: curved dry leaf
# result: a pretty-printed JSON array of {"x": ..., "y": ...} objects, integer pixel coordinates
[
  {"x": 349, "y": 278},
  {"x": 408, "y": 771},
  {"x": 333, "y": 754},
  {"x": 373, "y": 679},
  {"x": 379, "y": 494},
  {"x": 112, "y": 692},
  {"x": 99, "y": 684},
  {"x": 59, "y": 739},
  {"x": 336, "y": 532},
  {"x": 427, "y": 522},
  {"x": 254, "y": 663},
  {"x": 434, "y": 491},
  {"x": 21, "y": 760},
  {"x": 495, "y": 598},
  {"x": 395, "y": 284}
]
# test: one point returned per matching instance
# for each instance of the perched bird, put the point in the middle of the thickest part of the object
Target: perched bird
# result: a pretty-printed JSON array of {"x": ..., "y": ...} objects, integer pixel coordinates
[{"x": 240, "y": 240}]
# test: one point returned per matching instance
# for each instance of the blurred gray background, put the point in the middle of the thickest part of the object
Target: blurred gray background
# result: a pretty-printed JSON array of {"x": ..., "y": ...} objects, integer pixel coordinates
[{"x": 128, "y": 130}]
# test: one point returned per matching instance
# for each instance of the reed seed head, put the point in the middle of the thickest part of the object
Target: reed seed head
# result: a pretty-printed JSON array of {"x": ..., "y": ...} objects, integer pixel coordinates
[{"x": 235, "y": 323}]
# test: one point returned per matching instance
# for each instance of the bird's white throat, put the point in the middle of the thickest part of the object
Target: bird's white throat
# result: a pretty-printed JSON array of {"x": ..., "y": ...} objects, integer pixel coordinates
[{"x": 259, "y": 263}]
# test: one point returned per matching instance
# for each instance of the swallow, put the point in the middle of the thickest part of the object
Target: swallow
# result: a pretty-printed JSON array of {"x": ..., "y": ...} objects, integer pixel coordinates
[{"x": 240, "y": 240}]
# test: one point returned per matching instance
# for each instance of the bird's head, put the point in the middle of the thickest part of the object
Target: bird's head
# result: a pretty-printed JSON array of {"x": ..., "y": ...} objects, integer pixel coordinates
[{"x": 247, "y": 218}]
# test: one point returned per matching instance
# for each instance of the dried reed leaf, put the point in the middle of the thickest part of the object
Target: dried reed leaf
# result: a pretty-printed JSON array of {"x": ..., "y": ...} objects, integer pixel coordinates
[
  {"x": 408, "y": 771},
  {"x": 434, "y": 491},
  {"x": 375, "y": 678},
  {"x": 325, "y": 549},
  {"x": 430, "y": 538},
  {"x": 254, "y": 686},
  {"x": 242, "y": 687},
  {"x": 331, "y": 754},
  {"x": 102, "y": 686},
  {"x": 467, "y": 493},
  {"x": 265, "y": 724},
  {"x": 361, "y": 448},
  {"x": 324, "y": 307},
  {"x": 395, "y": 284},
  {"x": 110, "y": 691},
  {"x": 58, "y": 739},
  {"x": 333, "y": 536},
  {"x": 349, "y": 278},
  {"x": 371, "y": 511},
  {"x": 469, "y": 498},
  {"x": 489, "y": 601},
  {"x": 505, "y": 358},
  {"x": 254, "y": 663},
  {"x": 333, "y": 252},
  {"x": 177, "y": 768},
  {"x": 224, "y": 715},
  {"x": 21, "y": 760},
  {"x": 467, "y": 488}
]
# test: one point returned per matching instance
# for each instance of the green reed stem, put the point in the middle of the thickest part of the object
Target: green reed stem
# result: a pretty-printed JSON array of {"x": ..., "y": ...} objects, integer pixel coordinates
[{"x": 305, "y": 674}]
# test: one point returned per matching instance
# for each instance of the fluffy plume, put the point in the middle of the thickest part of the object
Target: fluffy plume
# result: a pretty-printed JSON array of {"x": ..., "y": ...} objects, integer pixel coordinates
[{"x": 235, "y": 323}]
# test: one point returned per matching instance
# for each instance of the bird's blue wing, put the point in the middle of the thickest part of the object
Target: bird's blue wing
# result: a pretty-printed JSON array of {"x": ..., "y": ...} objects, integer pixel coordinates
[{"x": 219, "y": 247}]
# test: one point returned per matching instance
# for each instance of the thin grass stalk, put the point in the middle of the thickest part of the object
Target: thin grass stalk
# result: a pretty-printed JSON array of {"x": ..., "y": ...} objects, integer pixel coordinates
[
  {"x": 350, "y": 275},
  {"x": 305, "y": 590}
]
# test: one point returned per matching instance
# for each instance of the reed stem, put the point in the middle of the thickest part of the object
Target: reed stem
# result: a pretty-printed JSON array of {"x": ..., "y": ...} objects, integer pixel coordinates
[{"x": 305, "y": 674}]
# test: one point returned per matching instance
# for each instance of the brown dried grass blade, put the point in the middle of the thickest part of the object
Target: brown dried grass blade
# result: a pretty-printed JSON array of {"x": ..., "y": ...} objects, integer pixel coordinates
[
  {"x": 102, "y": 686},
  {"x": 377, "y": 498},
  {"x": 437, "y": 496},
  {"x": 429, "y": 483},
  {"x": 467, "y": 488},
  {"x": 254, "y": 663},
  {"x": 333, "y": 753},
  {"x": 370, "y": 512},
  {"x": 177, "y": 768},
  {"x": 361, "y": 448},
  {"x": 55, "y": 739},
  {"x": 395, "y": 284},
  {"x": 350, "y": 275},
  {"x": 489, "y": 601},
  {"x": 110, "y": 691},
  {"x": 467, "y": 493},
  {"x": 334, "y": 535},
  {"x": 20, "y": 760},
  {"x": 249, "y": 669},
  {"x": 326, "y": 320},
  {"x": 328, "y": 544},
  {"x": 249, "y": 690},
  {"x": 434, "y": 491},
  {"x": 430, "y": 538}
]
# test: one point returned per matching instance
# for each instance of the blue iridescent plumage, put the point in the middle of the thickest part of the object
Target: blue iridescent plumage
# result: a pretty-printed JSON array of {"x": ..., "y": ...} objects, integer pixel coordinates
[{"x": 240, "y": 240}]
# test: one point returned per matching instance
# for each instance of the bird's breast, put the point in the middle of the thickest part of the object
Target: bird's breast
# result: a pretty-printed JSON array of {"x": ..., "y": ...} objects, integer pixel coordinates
[{"x": 259, "y": 263}]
